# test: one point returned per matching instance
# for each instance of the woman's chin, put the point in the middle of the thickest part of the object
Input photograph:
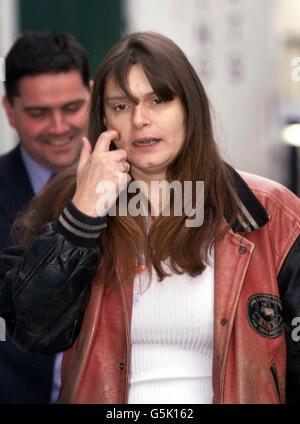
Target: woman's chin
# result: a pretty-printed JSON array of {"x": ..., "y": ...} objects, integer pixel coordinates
[{"x": 153, "y": 171}]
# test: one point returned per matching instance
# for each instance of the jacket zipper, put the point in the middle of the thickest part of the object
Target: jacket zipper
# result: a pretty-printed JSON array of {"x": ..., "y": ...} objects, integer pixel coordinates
[
  {"x": 224, "y": 366},
  {"x": 127, "y": 370},
  {"x": 274, "y": 374},
  {"x": 229, "y": 331}
]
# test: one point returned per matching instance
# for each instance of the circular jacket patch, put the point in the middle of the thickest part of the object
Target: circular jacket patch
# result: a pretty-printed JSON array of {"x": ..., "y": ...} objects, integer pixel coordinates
[{"x": 264, "y": 312}]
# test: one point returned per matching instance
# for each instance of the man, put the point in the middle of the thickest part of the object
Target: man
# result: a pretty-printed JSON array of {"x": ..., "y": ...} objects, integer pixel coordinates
[{"x": 47, "y": 91}]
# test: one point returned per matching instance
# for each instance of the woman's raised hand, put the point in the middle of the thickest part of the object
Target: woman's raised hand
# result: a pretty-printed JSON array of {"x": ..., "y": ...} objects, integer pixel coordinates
[{"x": 101, "y": 175}]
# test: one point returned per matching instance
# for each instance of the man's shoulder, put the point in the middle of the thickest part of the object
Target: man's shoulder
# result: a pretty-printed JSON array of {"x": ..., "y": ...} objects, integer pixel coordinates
[
  {"x": 10, "y": 156},
  {"x": 14, "y": 180},
  {"x": 15, "y": 187},
  {"x": 11, "y": 163}
]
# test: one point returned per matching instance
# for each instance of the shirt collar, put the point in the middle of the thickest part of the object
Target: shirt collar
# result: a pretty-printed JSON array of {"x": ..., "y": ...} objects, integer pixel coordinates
[{"x": 38, "y": 175}]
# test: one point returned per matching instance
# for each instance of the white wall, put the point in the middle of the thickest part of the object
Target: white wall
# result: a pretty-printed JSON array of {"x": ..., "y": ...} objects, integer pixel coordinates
[
  {"x": 289, "y": 27},
  {"x": 233, "y": 45},
  {"x": 8, "y": 29}
]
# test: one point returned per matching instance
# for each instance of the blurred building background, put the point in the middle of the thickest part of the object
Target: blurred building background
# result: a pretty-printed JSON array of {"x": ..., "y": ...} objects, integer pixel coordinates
[{"x": 247, "y": 53}]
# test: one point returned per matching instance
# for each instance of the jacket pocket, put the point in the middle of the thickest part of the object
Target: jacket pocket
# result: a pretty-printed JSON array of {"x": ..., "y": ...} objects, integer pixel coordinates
[{"x": 274, "y": 374}]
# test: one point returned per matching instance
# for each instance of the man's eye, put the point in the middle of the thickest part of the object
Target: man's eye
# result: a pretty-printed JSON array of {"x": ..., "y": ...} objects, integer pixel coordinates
[
  {"x": 37, "y": 113},
  {"x": 72, "y": 108}
]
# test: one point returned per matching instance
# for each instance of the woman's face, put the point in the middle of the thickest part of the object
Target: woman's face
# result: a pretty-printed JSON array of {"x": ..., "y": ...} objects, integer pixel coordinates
[{"x": 151, "y": 131}]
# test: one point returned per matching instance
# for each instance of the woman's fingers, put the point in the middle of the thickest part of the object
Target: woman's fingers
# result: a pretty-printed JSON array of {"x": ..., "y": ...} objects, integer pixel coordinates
[
  {"x": 102, "y": 174},
  {"x": 85, "y": 154},
  {"x": 102, "y": 152},
  {"x": 104, "y": 140},
  {"x": 125, "y": 166}
]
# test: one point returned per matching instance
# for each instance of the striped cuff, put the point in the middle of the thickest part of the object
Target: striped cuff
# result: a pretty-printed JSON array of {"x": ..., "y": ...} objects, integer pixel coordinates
[{"x": 80, "y": 228}]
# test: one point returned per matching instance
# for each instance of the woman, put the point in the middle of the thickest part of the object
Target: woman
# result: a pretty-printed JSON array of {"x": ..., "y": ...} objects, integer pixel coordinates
[{"x": 153, "y": 310}]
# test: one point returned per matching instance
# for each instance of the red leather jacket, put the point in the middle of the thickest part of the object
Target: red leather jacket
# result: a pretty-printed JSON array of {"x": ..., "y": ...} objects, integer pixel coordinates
[
  {"x": 249, "y": 363},
  {"x": 257, "y": 269}
]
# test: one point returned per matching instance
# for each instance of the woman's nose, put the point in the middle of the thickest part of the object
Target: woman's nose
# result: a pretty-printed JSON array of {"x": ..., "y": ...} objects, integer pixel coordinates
[{"x": 141, "y": 116}]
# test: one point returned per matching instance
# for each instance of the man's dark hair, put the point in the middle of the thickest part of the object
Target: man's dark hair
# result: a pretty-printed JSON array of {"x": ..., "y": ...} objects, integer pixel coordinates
[{"x": 43, "y": 52}]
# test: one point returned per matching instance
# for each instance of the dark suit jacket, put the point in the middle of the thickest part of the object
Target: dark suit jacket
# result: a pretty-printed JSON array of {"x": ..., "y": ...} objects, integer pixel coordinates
[{"x": 24, "y": 378}]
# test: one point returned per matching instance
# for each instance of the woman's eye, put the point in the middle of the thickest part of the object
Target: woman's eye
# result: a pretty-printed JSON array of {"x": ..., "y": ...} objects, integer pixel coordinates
[
  {"x": 157, "y": 100},
  {"x": 119, "y": 108}
]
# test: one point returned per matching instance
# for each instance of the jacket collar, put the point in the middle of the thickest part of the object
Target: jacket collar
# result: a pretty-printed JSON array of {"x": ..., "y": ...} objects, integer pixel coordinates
[{"x": 252, "y": 214}]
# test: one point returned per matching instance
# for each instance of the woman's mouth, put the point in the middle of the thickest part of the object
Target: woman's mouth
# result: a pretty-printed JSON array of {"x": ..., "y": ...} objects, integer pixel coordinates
[{"x": 143, "y": 142}]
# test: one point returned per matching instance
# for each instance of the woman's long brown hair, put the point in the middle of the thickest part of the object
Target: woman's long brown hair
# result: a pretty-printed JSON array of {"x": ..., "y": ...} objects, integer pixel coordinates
[{"x": 125, "y": 239}]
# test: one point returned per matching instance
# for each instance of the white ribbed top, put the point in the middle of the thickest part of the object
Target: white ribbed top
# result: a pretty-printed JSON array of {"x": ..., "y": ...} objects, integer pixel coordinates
[{"x": 172, "y": 339}]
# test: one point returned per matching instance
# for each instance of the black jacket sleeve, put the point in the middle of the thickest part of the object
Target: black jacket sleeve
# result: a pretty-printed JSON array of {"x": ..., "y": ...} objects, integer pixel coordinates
[
  {"x": 45, "y": 288},
  {"x": 289, "y": 286}
]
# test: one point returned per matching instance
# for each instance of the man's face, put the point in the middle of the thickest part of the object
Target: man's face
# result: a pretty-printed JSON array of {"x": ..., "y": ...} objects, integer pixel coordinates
[{"x": 50, "y": 117}]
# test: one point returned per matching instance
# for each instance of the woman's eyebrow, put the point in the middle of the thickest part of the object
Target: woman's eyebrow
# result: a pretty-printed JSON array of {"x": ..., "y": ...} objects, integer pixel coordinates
[
  {"x": 115, "y": 98},
  {"x": 124, "y": 97}
]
